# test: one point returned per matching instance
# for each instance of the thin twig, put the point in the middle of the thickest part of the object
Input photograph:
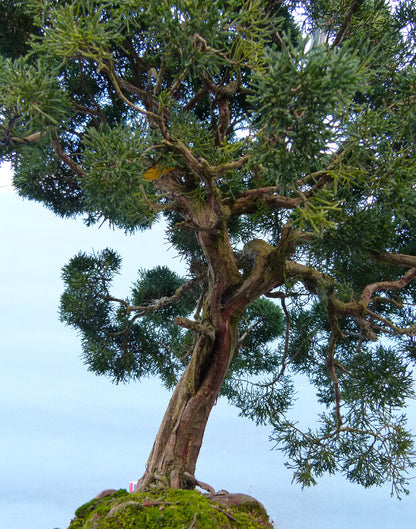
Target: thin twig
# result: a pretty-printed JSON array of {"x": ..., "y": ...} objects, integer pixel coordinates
[
  {"x": 61, "y": 154},
  {"x": 159, "y": 304},
  {"x": 193, "y": 523},
  {"x": 347, "y": 20},
  {"x": 228, "y": 515},
  {"x": 332, "y": 373}
]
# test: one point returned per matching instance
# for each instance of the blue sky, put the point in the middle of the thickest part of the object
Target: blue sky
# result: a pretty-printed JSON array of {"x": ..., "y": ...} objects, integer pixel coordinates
[{"x": 66, "y": 434}]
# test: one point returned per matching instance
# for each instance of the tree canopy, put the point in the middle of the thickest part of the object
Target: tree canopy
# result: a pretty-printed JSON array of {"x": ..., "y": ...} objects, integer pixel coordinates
[{"x": 276, "y": 141}]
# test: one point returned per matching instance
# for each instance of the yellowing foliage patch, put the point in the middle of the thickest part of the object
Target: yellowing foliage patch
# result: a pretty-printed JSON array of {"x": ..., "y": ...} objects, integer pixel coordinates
[{"x": 156, "y": 172}]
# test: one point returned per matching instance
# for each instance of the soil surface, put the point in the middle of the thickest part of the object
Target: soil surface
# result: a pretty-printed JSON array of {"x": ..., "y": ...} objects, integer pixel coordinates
[{"x": 171, "y": 509}]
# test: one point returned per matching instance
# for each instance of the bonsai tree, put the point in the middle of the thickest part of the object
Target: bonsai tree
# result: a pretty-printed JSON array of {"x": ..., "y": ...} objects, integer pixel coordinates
[{"x": 283, "y": 167}]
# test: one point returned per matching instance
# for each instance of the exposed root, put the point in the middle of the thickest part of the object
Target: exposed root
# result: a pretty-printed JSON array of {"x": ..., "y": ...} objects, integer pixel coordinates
[
  {"x": 198, "y": 483},
  {"x": 178, "y": 480},
  {"x": 227, "y": 514},
  {"x": 193, "y": 523}
]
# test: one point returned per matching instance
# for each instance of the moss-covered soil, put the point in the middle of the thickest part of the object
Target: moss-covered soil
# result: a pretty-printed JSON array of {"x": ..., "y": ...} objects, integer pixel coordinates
[{"x": 170, "y": 509}]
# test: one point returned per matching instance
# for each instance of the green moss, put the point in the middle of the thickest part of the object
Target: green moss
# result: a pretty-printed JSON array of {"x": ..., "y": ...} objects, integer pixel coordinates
[{"x": 167, "y": 509}]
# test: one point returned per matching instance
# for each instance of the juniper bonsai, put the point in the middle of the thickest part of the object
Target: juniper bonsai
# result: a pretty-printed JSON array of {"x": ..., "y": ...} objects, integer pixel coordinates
[{"x": 276, "y": 141}]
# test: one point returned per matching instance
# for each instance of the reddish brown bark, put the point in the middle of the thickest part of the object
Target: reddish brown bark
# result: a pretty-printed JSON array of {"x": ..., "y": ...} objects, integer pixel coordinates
[
  {"x": 175, "y": 451},
  {"x": 173, "y": 458}
]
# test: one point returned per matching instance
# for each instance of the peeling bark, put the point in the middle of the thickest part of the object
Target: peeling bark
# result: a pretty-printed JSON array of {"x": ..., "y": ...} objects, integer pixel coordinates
[{"x": 174, "y": 454}]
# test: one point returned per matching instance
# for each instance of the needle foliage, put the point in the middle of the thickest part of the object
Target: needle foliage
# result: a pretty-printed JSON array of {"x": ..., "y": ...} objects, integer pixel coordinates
[{"x": 280, "y": 136}]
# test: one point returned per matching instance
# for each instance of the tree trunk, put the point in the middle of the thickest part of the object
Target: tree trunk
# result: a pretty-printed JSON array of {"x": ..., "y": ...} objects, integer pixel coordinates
[
  {"x": 175, "y": 452},
  {"x": 173, "y": 458}
]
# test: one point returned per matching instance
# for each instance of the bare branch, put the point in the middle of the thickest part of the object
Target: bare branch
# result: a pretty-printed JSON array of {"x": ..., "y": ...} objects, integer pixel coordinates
[
  {"x": 386, "y": 285},
  {"x": 330, "y": 365},
  {"x": 246, "y": 334},
  {"x": 231, "y": 166},
  {"x": 195, "y": 99},
  {"x": 196, "y": 326},
  {"x": 200, "y": 43},
  {"x": 287, "y": 334},
  {"x": 250, "y": 201},
  {"x": 61, "y": 154},
  {"x": 119, "y": 83},
  {"x": 347, "y": 20},
  {"x": 386, "y": 301},
  {"x": 13, "y": 140},
  {"x": 409, "y": 331},
  {"x": 397, "y": 259},
  {"x": 96, "y": 113},
  {"x": 159, "y": 304}
]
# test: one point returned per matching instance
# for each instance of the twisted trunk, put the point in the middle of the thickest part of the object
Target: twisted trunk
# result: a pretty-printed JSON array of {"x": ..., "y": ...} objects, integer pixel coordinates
[
  {"x": 173, "y": 458},
  {"x": 175, "y": 451},
  {"x": 176, "y": 448}
]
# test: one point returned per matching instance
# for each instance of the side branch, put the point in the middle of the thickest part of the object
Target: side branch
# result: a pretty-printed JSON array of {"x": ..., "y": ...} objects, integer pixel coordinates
[
  {"x": 397, "y": 259},
  {"x": 95, "y": 113},
  {"x": 118, "y": 83},
  {"x": 314, "y": 281},
  {"x": 196, "y": 326},
  {"x": 394, "y": 329},
  {"x": 324, "y": 287},
  {"x": 161, "y": 303},
  {"x": 330, "y": 365},
  {"x": 347, "y": 20},
  {"x": 386, "y": 285},
  {"x": 200, "y": 166},
  {"x": 264, "y": 267},
  {"x": 249, "y": 201},
  {"x": 231, "y": 166},
  {"x": 61, "y": 154}
]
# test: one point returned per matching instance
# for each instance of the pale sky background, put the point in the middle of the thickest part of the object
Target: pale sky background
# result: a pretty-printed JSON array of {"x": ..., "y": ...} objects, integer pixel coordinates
[{"x": 66, "y": 434}]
